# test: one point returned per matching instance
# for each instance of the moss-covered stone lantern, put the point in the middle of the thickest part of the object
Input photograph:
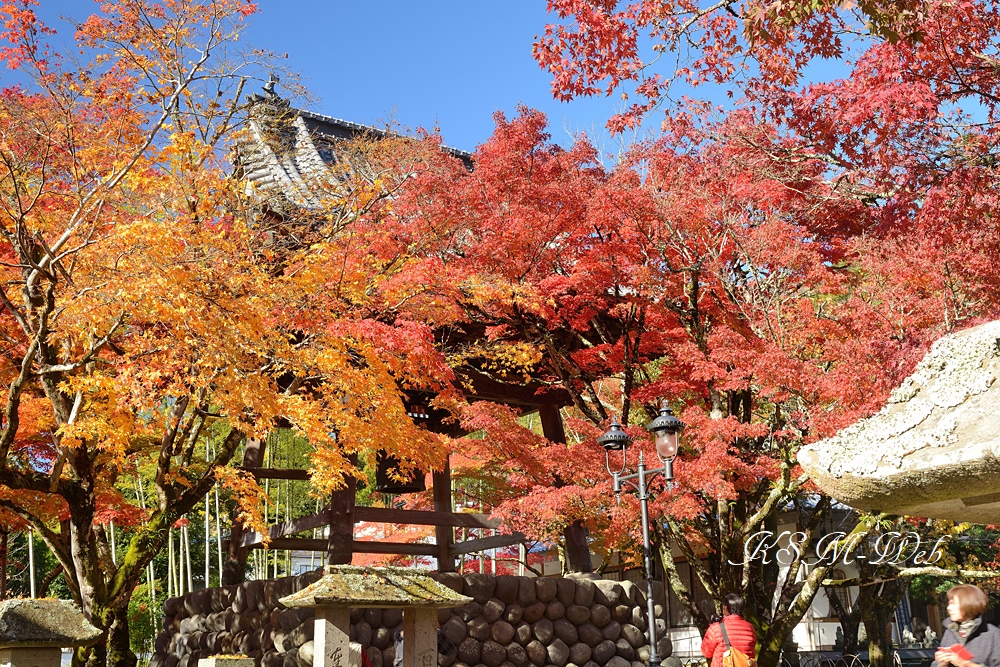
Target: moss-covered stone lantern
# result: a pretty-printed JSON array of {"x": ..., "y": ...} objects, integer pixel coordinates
[
  {"x": 346, "y": 586},
  {"x": 934, "y": 449},
  {"x": 34, "y": 632}
]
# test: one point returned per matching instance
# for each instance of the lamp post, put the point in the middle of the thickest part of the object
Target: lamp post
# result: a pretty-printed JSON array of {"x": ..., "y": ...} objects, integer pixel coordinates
[{"x": 664, "y": 429}]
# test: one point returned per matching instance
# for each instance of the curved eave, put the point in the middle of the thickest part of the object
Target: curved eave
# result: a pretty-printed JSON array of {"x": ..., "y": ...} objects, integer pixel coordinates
[{"x": 934, "y": 450}]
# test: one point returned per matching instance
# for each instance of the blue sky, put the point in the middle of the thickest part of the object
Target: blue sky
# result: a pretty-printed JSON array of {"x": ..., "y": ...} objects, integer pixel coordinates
[
  {"x": 448, "y": 63},
  {"x": 445, "y": 62},
  {"x": 440, "y": 62}
]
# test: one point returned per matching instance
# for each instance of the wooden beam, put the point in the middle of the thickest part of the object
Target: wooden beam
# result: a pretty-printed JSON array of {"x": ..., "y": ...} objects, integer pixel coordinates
[
  {"x": 234, "y": 570},
  {"x": 279, "y": 473},
  {"x": 374, "y": 514},
  {"x": 424, "y": 518},
  {"x": 575, "y": 535},
  {"x": 360, "y": 546},
  {"x": 480, "y": 386},
  {"x": 342, "y": 520},
  {"x": 495, "y": 542},
  {"x": 290, "y": 527},
  {"x": 294, "y": 544},
  {"x": 401, "y": 548}
]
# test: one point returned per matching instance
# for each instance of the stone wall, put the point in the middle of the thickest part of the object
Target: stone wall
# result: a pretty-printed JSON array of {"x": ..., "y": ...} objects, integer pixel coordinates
[{"x": 512, "y": 622}]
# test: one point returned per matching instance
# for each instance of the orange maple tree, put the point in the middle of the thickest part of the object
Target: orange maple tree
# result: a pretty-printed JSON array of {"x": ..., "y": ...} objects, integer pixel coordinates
[{"x": 146, "y": 308}]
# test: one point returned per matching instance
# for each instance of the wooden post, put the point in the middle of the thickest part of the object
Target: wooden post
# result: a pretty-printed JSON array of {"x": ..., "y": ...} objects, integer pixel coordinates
[
  {"x": 419, "y": 637},
  {"x": 444, "y": 535},
  {"x": 340, "y": 549},
  {"x": 234, "y": 570},
  {"x": 330, "y": 637},
  {"x": 575, "y": 534}
]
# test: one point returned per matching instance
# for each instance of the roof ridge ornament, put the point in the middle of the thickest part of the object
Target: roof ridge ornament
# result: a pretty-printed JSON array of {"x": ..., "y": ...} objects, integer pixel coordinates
[{"x": 272, "y": 80}]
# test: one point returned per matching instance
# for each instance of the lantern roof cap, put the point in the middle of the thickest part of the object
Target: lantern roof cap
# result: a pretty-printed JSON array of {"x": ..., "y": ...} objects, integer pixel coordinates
[
  {"x": 44, "y": 623},
  {"x": 385, "y": 587},
  {"x": 932, "y": 451},
  {"x": 665, "y": 421}
]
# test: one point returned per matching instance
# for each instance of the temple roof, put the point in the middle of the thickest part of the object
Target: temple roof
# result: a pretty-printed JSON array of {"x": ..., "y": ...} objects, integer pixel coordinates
[
  {"x": 352, "y": 586},
  {"x": 288, "y": 151}
]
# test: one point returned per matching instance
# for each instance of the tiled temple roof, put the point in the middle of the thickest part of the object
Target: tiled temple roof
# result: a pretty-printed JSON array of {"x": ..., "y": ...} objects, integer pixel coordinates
[{"x": 288, "y": 150}]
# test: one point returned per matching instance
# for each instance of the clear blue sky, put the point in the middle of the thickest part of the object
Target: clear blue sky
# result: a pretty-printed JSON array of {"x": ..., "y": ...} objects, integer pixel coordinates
[
  {"x": 450, "y": 63},
  {"x": 445, "y": 62}
]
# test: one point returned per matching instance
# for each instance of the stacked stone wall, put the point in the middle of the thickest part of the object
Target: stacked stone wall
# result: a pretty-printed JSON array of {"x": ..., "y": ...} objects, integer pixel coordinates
[{"x": 511, "y": 622}]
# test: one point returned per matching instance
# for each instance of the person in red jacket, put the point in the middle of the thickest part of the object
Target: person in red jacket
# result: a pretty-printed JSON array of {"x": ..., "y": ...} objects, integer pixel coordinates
[{"x": 741, "y": 633}]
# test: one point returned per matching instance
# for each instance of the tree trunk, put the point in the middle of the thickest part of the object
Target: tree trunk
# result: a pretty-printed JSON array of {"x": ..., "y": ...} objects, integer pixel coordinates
[
  {"x": 575, "y": 536},
  {"x": 234, "y": 571},
  {"x": 877, "y": 608},
  {"x": 119, "y": 640},
  {"x": 577, "y": 549},
  {"x": 769, "y": 652},
  {"x": 850, "y": 621},
  {"x": 3, "y": 565}
]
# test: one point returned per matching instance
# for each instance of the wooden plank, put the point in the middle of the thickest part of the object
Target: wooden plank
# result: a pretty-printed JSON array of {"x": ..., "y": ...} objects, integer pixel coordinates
[
  {"x": 294, "y": 544},
  {"x": 360, "y": 546},
  {"x": 292, "y": 527},
  {"x": 402, "y": 548},
  {"x": 495, "y": 542},
  {"x": 424, "y": 518},
  {"x": 279, "y": 473}
]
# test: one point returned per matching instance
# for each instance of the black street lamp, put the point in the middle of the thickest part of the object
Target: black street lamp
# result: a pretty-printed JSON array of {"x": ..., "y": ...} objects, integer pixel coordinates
[{"x": 664, "y": 430}]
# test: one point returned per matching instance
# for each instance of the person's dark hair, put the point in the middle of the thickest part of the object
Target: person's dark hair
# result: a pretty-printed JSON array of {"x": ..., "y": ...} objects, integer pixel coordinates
[{"x": 734, "y": 604}]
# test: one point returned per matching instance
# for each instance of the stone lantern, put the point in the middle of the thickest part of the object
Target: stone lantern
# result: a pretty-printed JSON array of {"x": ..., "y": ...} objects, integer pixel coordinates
[
  {"x": 346, "y": 586},
  {"x": 34, "y": 632},
  {"x": 934, "y": 449}
]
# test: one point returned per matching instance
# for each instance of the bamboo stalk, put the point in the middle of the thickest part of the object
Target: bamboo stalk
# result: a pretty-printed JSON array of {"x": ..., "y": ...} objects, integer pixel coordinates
[
  {"x": 150, "y": 570},
  {"x": 171, "y": 591},
  {"x": 31, "y": 559},
  {"x": 180, "y": 561},
  {"x": 266, "y": 553},
  {"x": 288, "y": 517},
  {"x": 187, "y": 551},
  {"x": 208, "y": 528},
  {"x": 465, "y": 536},
  {"x": 312, "y": 554},
  {"x": 218, "y": 531},
  {"x": 277, "y": 508},
  {"x": 152, "y": 583}
]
